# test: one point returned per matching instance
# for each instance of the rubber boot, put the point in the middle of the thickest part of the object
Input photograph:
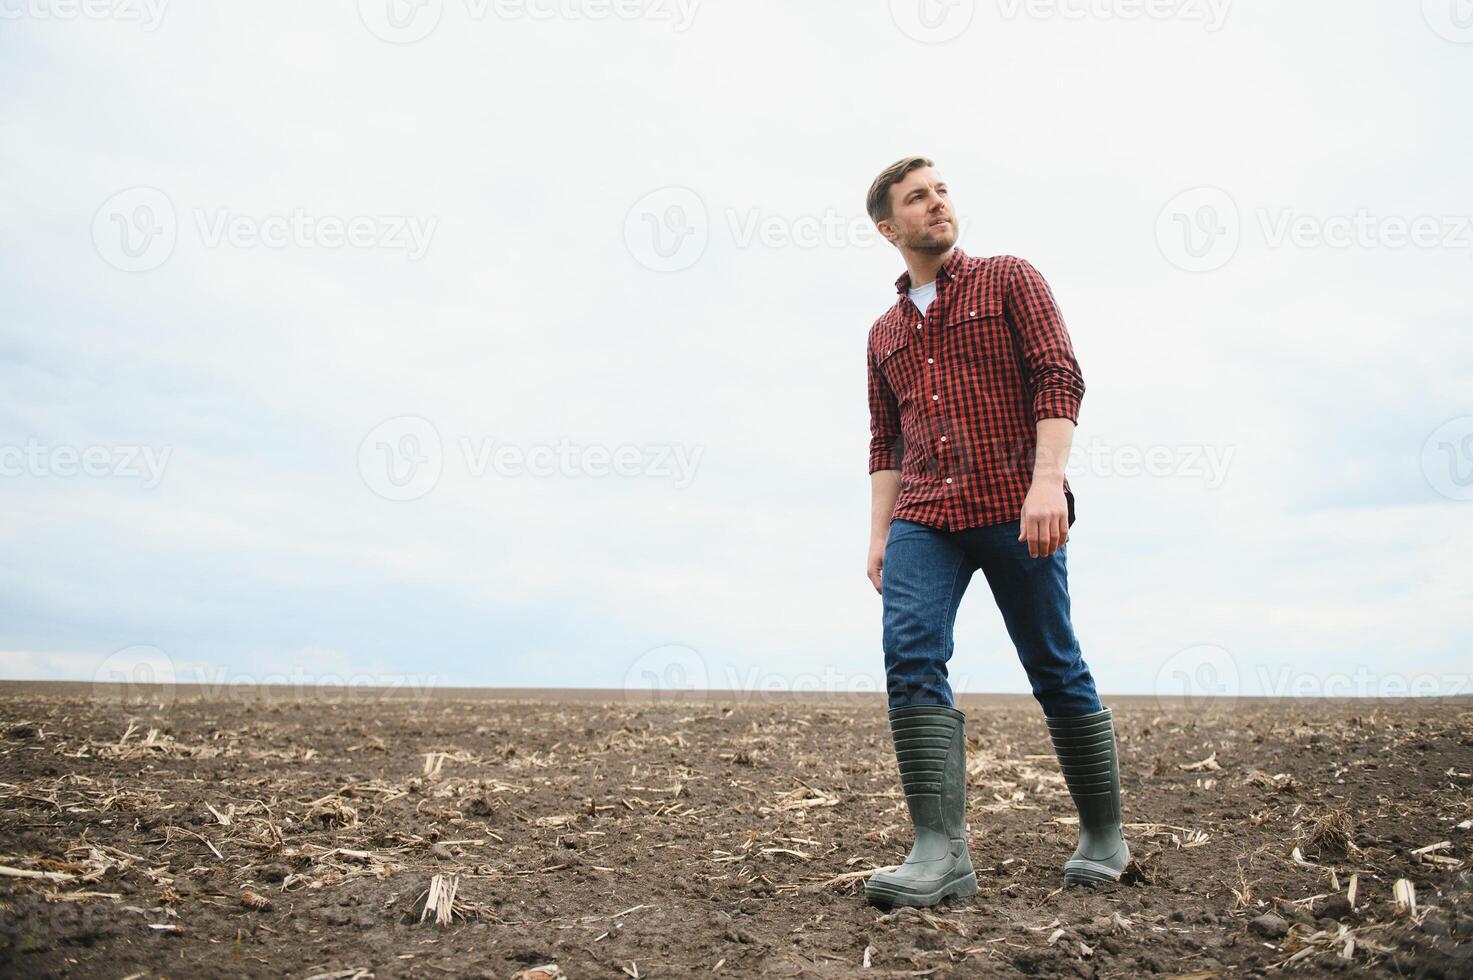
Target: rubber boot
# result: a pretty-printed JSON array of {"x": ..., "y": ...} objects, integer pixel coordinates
[
  {"x": 1085, "y": 745},
  {"x": 931, "y": 748}
]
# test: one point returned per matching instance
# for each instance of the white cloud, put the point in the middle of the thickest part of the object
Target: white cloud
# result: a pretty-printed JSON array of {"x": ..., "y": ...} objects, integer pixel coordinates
[{"x": 530, "y": 320}]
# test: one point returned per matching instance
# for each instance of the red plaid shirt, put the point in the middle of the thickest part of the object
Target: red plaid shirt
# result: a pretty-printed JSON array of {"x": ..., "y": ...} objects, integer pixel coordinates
[{"x": 955, "y": 395}]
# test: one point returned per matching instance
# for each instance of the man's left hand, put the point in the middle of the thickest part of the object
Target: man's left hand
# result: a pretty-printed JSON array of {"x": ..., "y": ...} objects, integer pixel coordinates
[{"x": 1044, "y": 523}]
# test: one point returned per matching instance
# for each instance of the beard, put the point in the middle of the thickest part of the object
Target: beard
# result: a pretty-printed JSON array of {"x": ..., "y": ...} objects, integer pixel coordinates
[{"x": 933, "y": 241}]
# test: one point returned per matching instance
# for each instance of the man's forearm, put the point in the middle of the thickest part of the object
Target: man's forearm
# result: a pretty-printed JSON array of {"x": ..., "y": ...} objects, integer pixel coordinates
[
  {"x": 884, "y": 488},
  {"x": 1055, "y": 436}
]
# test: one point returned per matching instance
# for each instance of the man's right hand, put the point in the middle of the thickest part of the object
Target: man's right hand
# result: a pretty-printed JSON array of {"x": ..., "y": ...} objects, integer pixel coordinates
[
  {"x": 884, "y": 489},
  {"x": 876, "y": 563}
]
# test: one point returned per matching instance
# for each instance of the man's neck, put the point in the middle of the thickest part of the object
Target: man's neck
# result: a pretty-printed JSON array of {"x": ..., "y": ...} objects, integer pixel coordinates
[{"x": 923, "y": 266}]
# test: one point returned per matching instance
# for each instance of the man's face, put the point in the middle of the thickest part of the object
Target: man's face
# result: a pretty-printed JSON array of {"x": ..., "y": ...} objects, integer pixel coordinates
[{"x": 924, "y": 219}]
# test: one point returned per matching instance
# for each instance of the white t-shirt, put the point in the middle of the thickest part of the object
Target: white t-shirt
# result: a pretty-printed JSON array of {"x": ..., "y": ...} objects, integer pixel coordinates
[{"x": 922, "y": 296}]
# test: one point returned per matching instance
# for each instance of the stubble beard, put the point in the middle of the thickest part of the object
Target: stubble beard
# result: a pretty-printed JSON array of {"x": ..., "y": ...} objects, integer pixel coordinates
[{"x": 926, "y": 242}]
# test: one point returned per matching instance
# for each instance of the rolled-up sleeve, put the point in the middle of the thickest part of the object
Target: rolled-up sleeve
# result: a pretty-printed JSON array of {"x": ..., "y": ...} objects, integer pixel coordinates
[
  {"x": 886, "y": 446},
  {"x": 1053, "y": 372}
]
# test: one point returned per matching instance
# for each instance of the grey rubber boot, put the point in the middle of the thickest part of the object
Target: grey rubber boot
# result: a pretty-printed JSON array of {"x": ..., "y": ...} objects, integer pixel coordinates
[
  {"x": 1085, "y": 745},
  {"x": 931, "y": 748}
]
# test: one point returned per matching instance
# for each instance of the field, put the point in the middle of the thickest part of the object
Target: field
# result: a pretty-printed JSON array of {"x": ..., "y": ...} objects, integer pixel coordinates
[{"x": 482, "y": 833}]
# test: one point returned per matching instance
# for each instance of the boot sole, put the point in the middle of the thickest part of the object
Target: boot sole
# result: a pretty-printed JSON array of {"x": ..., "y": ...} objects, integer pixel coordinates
[
  {"x": 1089, "y": 873},
  {"x": 883, "y": 895}
]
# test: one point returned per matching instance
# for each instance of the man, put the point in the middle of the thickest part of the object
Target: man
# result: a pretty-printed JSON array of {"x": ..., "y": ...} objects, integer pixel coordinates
[{"x": 973, "y": 395}]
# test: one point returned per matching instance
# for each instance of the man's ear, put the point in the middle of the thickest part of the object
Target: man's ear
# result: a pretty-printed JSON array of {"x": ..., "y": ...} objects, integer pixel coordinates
[{"x": 888, "y": 230}]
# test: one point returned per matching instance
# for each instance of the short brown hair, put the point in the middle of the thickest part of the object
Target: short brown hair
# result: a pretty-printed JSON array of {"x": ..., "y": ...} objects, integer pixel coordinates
[{"x": 878, "y": 201}]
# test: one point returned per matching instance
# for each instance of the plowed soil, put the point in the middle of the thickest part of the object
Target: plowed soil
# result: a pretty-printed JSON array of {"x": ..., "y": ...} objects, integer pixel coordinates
[{"x": 299, "y": 833}]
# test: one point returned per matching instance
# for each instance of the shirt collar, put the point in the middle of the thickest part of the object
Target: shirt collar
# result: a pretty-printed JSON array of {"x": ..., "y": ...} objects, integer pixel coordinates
[{"x": 947, "y": 271}]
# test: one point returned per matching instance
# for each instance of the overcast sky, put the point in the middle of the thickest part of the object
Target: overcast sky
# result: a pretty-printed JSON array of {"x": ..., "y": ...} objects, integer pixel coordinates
[{"x": 521, "y": 343}]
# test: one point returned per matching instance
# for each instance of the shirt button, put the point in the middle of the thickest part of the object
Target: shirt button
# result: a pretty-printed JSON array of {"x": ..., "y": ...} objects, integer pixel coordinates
[
  {"x": 943, "y": 438},
  {"x": 948, "y": 479},
  {"x": 972, "y": 313},
  {"x": 930, "y": 360},
  {"x": 935, "y": 398},
  {"x": 918, "y": 326}
]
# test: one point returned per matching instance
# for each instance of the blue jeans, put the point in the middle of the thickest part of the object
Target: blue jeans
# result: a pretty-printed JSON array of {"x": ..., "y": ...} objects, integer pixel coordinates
[{"x": 926, "y": 571}]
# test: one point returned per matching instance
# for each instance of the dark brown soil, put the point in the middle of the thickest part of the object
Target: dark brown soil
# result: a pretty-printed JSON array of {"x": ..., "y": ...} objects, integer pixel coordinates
[{"x": 620, "y": 837}]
